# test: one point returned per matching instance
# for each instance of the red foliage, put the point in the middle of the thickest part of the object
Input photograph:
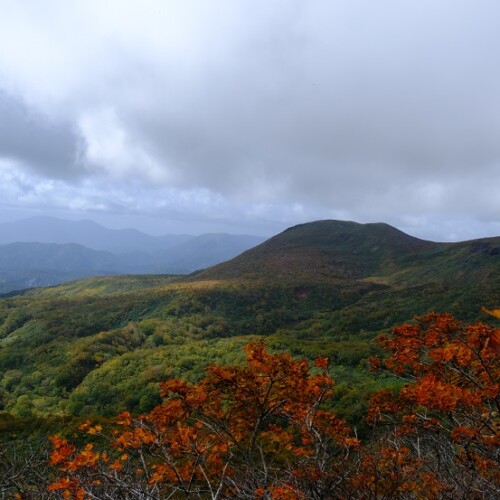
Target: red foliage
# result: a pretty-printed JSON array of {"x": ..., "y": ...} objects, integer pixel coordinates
[{"x": 451, "y": 399}]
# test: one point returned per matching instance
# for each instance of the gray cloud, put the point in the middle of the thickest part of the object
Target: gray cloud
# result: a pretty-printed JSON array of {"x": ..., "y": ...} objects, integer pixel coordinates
[
  {"x": 279, "y": 110},
  {"x": 36, "y": 142},
  {"x": 347, "y": 108}
]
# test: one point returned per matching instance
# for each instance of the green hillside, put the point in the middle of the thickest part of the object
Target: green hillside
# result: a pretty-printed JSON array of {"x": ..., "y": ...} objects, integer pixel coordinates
[{"x": 101, "y": 345}]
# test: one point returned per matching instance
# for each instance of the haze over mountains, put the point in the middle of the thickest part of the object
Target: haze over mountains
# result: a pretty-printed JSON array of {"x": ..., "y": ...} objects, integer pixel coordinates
[
  {"x": 42, "y": 251},
  {"x": 87, "y": 233}
]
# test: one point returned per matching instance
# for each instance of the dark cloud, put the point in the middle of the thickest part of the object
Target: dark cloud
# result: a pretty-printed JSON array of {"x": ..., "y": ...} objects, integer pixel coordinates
[{"x": 36, "y": 142}]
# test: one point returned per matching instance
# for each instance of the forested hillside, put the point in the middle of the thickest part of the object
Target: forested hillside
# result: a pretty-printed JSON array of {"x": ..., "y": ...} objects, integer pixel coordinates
[{"x": 100, "y": 346}]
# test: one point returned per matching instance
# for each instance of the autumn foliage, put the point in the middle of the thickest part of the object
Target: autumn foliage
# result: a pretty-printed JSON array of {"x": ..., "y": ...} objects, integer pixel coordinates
[
  {"x": 252, "y": 431},
  {"x": 263, "y": 430},
  {"x": 447, "y": 415}
]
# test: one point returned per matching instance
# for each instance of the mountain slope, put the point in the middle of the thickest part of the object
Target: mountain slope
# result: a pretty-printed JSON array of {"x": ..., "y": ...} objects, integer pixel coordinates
[
  {"x": 25, "y": 265},
  {"x": 339, "y": 251},
  {"x": 204, "y": 251},
  {"x": 69, "y": 257}
]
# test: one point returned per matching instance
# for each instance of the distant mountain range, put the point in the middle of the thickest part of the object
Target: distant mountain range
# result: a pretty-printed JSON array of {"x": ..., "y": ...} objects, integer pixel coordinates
[
  {"x": 87, "y": 233},
  {"x": 43, "y": 251}
]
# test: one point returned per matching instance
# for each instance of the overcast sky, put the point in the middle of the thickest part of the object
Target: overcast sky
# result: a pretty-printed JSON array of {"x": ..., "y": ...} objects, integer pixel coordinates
[{"x": 251, "y": 116}]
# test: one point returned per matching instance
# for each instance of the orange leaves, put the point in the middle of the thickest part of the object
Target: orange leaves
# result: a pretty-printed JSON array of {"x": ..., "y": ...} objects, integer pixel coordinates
[
  {"x": 263, "y": 429},
  {"x": 84, "y": 426},
  {"x": 383, "y": 403},
  {"x": 453, "y": 376},
  {"x": 124, "y": 419},
  {"x": 285, "y": 492},
  {"x": 389, "y": 472},
  {"x": 452, "y": 362},
  {"x": 116, "y": 465},
  {"x": 439, "y": 336},
  {"x": 177, "y": 386},
  {"x": 492, "y": 312},
  {"x": 135, "y": 438},
  {"x": 281, "y": 492},
  {"x": 277, "y": 439},
  {"x": 69, "y": 488},
  {"x": 257, "y": 356},
  {"x": 234, "y": 420},
  {"x": 65, "y": 456},
  {"x": 94, "y": 430},
  {"x": 494, "y": 343},
  {"x": 62, "y": 450},
  {"x": 461, "y": 433},
  {"x": 432, "y": 392},
  {"x": 322, "y": 363},
  {"x": 63, "y": 483},
  {"x": 87, "y": 458}
]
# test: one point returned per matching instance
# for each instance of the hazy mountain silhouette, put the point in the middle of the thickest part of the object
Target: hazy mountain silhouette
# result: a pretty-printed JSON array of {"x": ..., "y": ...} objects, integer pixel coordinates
[
  {"x": 86, "y": 233},
  {"x": 45, "y": 251}
]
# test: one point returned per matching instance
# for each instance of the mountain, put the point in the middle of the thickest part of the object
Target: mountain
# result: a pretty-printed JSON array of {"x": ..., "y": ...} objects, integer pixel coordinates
[
  {"x": 204, "y": 251},
  {"x": 338, "y": 251},
  {"x": 86, "y": 233},
  {"x": 26, "y": 265},
  {"x": 70, "y": 257},
  {"x": 102, "y": 345}
]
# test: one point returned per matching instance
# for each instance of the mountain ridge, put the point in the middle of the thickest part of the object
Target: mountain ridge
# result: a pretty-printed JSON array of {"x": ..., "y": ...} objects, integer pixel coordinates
[
  {"x": 342, "y": 250},
  {"x": 44, "y": 229}
]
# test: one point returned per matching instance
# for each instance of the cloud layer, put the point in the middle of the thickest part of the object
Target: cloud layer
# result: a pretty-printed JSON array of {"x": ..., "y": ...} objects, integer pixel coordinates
[{"x": 278, "y": 112}]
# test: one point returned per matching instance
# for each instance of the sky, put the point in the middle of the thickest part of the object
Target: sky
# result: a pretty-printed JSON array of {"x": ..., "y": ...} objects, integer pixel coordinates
[{"x": 251, "y": 116}]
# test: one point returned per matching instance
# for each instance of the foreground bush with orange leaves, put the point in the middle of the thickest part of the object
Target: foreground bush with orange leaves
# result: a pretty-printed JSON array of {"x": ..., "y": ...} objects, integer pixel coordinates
[
  {"x": 447, "y": 416},
  {"x": 241, "y": 432},
  {"x": 262, "y": 431}
]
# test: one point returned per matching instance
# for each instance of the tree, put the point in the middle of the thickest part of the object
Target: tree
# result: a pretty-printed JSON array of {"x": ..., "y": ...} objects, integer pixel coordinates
[
  {"x": 262, "y": 431},
  {"x": 24, "y": 468},
  {"x": 254, "y": 431},
  {"x": 446, "y": 417}
]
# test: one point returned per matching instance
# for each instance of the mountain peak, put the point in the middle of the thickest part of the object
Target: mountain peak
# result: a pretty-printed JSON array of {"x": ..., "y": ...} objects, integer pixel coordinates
[{"x": 325, "y": 248}]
